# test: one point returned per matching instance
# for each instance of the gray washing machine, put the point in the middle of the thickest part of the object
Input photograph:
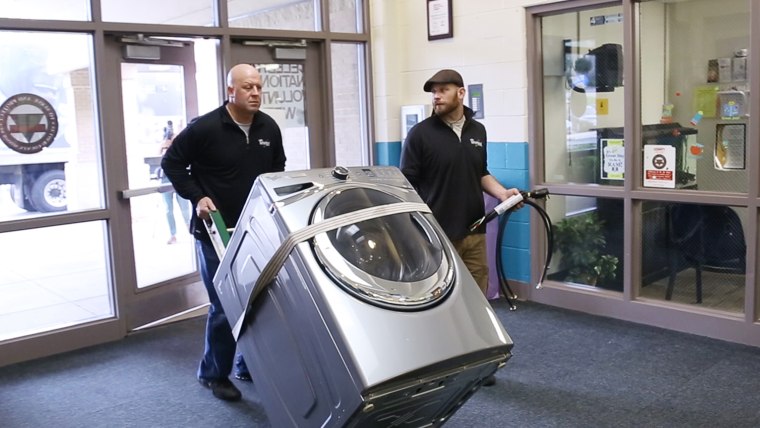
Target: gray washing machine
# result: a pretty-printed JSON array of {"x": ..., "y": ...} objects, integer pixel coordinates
[{"x": 352, "y": 307}]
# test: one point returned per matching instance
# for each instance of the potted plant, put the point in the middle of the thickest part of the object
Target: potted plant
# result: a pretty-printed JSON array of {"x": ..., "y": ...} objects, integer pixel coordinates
[{"x": 580, "y": 242}]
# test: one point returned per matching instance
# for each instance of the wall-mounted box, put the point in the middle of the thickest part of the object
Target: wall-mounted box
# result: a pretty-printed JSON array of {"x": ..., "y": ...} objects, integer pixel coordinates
[{"x": 412, "y": 115}]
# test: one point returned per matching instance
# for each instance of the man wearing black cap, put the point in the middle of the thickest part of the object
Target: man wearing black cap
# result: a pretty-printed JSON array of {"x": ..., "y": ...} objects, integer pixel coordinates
[{"x": 444, "y": 157}]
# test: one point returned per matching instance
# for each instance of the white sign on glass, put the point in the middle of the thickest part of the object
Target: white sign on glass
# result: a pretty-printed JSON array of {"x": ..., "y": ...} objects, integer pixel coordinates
[
  {"x": 660, "y": 166},
  {"x": 613, "y": 159}
]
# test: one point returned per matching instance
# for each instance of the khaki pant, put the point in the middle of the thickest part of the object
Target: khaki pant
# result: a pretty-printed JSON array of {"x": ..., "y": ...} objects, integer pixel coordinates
[{"x": 472, "y": 249}]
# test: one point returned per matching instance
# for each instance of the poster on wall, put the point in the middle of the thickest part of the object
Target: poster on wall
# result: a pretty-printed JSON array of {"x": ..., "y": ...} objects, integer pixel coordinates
[
  {"x": 660, "y": 166},
  {"x": 613, "y": 159}
]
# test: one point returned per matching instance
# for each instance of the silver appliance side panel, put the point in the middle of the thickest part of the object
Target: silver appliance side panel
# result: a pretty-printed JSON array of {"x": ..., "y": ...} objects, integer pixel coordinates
[{"x": 300, "y": 371}]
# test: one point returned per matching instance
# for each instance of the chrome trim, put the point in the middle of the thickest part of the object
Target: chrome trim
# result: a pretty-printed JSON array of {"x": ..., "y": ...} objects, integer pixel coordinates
[{"x": 376, "y": 290}]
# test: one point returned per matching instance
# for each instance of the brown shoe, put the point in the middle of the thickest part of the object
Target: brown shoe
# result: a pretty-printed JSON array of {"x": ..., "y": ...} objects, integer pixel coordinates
[
  {"x": 490, "y": 381},
  {"x": 222, "y": 389}
]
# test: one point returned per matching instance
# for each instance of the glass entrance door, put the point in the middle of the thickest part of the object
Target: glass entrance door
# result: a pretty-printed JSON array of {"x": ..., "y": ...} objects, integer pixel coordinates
[
  {"x": 287, "y": 70},
  {"x": 159, "y": 96},
  {"x": 154, "y": 106}
]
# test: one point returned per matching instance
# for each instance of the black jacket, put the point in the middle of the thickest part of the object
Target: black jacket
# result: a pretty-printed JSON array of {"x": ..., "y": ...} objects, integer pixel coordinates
[
  {"x": 446, "y": 172},
  {"x": 212, "y": 157}
]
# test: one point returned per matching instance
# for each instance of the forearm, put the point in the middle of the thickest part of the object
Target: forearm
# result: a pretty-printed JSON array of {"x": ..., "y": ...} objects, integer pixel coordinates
[{"x": 491, "y": 185}]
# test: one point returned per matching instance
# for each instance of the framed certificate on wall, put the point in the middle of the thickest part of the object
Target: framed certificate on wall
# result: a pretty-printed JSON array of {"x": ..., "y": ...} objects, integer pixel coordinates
[{"x": 439, "y": 19}]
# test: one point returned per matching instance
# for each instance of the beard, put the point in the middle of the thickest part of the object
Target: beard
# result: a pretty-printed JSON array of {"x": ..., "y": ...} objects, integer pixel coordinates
[{"x": 442, "y": 110}]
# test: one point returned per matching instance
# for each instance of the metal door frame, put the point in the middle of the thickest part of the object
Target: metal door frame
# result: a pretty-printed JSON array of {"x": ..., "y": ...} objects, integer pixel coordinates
[{"x": 139, "y": 307}]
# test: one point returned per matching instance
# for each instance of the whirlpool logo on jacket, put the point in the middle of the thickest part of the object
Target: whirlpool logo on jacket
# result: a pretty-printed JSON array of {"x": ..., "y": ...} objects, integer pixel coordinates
[
  {"x": 264, "y": 143},
  {"x": 476, "y": 143}
]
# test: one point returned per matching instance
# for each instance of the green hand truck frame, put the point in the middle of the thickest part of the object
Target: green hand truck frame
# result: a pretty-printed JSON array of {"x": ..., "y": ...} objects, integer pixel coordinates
[{"x": 218, "y": 232}]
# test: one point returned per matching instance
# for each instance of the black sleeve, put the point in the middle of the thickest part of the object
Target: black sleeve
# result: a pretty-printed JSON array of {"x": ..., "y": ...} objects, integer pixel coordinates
[
  {"x": 278, "y": 162},
  {"x": 411, "y": 157},
  {"x": 176, "y": 163},
  {"x": 485, "y": 154}
]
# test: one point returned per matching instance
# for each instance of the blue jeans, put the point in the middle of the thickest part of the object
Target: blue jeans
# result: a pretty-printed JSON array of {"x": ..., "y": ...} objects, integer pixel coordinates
[
  {"x": 220, "y": 345},
  {"x": 184, "y": 208}
]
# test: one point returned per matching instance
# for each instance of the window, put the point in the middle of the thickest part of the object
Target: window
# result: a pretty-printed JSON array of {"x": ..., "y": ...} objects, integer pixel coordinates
[
  {"x": 694, "y": 94},
  {"x": 187, "y": 12},
  {"x": 349, "y": 101},
  {"x": 64, "y": 10},
  {"x": 277, "y": 15},
  {"x": 583, "y": 96},
  {"x": 49, "y": 155}
]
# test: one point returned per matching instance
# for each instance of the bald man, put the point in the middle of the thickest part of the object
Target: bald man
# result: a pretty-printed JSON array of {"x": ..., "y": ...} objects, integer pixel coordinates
[{"x": 225, "y": 150}]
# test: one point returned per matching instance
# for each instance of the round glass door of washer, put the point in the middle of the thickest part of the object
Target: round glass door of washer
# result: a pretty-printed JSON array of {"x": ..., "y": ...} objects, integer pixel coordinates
[{"x": 396, "y": 261}]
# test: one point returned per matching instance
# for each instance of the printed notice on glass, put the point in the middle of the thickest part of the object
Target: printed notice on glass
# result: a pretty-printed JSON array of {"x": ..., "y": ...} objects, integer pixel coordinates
[
  {"x": 613, "y": 159},
  {"x": 659, "y": 166},
  {"x": 438, "y": 18},
  {"x": 730, "y": 146}
]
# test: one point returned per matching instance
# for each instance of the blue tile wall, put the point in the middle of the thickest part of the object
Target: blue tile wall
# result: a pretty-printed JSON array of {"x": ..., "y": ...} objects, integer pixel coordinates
[
  {"x": 508, "y": 163},
  {"x": 516, "y": 264},
  {"x": 388, "y": 154}
]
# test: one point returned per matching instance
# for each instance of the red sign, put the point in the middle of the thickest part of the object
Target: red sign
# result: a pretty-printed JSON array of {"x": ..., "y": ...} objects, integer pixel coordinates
[{"x": 659, "y": 175}]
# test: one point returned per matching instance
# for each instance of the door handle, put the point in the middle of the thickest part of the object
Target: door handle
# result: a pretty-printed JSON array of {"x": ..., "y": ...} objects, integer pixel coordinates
[{"x": 131, "y": 193}]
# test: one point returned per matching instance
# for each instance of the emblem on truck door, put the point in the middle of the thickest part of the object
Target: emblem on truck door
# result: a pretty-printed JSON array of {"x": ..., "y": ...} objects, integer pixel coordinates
[{"x": 28, "y": 123}]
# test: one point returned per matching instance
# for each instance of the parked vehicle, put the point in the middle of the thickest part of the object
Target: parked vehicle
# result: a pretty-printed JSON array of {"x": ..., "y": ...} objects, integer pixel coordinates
[
  {"x": 33, "y": 147},
  {"x": 38, "y": 181}
]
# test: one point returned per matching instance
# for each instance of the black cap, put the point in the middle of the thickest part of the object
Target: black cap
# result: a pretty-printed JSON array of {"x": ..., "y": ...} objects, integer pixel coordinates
[{"x": 444, "y": 76}]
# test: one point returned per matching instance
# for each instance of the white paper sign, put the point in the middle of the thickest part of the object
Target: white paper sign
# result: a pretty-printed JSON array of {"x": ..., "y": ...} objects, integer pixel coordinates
[
  {"x": 613, "y": 159},
  {"x": 660, "y": 166}
]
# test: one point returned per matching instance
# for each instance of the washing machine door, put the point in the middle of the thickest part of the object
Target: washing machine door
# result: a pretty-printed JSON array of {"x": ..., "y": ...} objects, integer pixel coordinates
[{"x": 396, "y": 261}]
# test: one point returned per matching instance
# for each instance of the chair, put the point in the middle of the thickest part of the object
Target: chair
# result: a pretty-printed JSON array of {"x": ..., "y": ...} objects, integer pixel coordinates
[{"x": 707, "y": 238}]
